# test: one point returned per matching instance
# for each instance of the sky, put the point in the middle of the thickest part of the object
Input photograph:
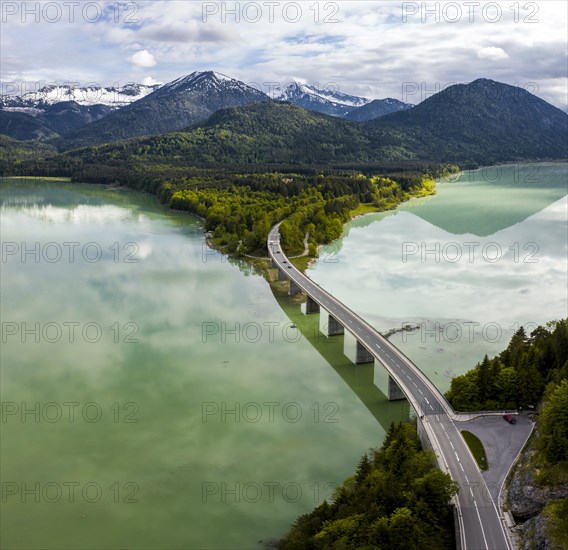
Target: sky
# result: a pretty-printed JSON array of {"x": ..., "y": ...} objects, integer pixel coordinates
[{"x": 375, "y": 49}]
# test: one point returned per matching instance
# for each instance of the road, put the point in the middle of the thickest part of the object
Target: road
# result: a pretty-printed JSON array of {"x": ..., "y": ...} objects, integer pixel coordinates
[{"x": 481, "y": 525}]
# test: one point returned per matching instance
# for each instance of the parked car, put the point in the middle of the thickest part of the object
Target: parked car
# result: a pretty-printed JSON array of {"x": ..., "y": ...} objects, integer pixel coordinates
[{"x": 510, "y": 418}]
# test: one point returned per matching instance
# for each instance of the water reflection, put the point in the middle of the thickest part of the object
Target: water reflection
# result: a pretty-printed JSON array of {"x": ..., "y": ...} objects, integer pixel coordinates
[
  {"x": 479, "y": 256},
  {"x": 170, "y": 452}
]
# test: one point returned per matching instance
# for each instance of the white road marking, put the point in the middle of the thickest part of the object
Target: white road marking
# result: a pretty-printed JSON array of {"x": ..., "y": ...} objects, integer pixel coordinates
[
  {"x": 481, "y": 525},
  {"x": 471, "y": 492},
  {"x": 394, "y": 357}
]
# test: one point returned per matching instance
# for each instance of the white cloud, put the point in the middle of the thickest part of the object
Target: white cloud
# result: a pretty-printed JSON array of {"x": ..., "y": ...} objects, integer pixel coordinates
[
  {"x": 366, "y": 53},
  {"x": 492, "y": 53},
  {"x": 150, "y": 81},
  {"x": 143, "y": 58}
]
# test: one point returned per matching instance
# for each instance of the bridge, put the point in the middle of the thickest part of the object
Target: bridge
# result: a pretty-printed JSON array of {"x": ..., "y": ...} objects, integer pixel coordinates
[{"x": 478, "y": 519}]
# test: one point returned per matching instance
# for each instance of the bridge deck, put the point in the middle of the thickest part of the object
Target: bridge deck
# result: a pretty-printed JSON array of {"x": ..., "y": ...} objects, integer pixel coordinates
[{"x": 481, "y": 524}]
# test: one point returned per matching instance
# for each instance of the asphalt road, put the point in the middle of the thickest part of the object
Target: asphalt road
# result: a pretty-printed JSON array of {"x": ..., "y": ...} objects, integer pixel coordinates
[{"x": 480, "y": 521}]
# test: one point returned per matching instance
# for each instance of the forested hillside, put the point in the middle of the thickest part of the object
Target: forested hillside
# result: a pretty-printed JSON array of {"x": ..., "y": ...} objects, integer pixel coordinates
[
  {"x": 398, "y": 499},
  {"x": 518, "y": 376}
]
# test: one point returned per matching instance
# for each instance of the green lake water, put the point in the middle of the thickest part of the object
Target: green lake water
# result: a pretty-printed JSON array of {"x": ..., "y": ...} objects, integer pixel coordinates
[
  {"x": 467, "y": 266},
  {"x": 193, "y": 408},
  {"x": 123, "y": 433}
]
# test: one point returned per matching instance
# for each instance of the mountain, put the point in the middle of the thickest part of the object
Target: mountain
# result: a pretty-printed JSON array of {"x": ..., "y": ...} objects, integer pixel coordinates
[
  {"x": 114, "y": 96},
  {"x": 377, "y": 109},
  {"x": 57, "y": 111},
  {"x": 263, "y": 132},
  {"x": 50, "y": 122},
  {"x": 174, "y": 106},
  {"x": 13, "y": 152},
  {"x": 484, "y": 121},
  {"x": 24, "y": 126},
  {"x": 327, "y": 102}
]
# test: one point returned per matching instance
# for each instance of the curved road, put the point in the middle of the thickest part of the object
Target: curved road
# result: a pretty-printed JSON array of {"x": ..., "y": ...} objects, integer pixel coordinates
[{"x": 481, "y": 525}]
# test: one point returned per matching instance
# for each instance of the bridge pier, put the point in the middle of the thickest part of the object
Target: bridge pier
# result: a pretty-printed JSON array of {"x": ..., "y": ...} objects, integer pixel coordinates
[
  {"x": 394, "y": 392},
  {"x": 386, "y": 383},
  {"x": 282, "y": 275},
  {"x": 355, "y": 350},
  {"x": 274, "y": 264},
  {"x": 362, "y": 354},
  {"x": 312, "y": 306},
  {"x": 294, "y": 289},
  {"x": 329, "y": 325}
]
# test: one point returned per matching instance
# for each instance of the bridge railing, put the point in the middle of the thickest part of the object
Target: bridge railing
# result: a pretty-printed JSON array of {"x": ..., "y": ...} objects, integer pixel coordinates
[{"x": 448, "y": 409}]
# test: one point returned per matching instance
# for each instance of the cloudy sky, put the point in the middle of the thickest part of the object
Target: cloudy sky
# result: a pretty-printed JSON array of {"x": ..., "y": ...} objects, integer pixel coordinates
[{"x": 405, "y": 50}]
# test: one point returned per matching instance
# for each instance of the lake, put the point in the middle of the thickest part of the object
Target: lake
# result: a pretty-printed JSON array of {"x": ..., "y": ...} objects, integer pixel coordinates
[
  {"x": 154, "y": 394},
  {"x": 466, "y": 267},
  {"x": 157, "y": 395}
]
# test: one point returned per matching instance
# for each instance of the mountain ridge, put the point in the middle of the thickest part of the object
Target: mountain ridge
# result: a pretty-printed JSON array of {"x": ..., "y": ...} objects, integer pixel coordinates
[
  {"x": 172, "y": 107},
  {"x": 464, "y": 118},
  {"x": 376, "y": 109},
  {"x": 329, "y": 102},
  {"x": 482, "y": 122}
]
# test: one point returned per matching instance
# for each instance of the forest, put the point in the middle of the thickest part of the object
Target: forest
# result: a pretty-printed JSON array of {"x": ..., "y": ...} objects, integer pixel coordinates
[
  {"x": 241, "y": 202},
  {"x": 517, "y": 377},
  {"x": 532, "y": 373},
  {"x": 241, "y": 214},
  {"x": 397, "y": 499}
]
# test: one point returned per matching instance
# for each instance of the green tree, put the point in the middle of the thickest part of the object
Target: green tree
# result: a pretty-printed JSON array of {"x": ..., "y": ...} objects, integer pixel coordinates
[{"x": 554, "y": 423}]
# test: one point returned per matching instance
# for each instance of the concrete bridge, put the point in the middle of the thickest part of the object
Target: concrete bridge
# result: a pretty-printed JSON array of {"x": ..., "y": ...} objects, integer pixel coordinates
[{"x": 479, "y": 522}]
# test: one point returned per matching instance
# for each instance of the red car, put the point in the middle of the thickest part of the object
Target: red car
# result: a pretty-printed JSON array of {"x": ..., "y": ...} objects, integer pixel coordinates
[{"x": 510, "y": 418}]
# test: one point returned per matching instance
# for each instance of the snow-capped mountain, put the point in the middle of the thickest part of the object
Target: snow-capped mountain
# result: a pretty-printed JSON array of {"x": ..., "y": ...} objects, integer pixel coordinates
[
  {"x": 87, "y": 96},
  {"x": 174, "y": 106},
  {"x": 210, "y": 83},
  {"x": 329, "y": 102},
  {"x": 88, "y": 115}
]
